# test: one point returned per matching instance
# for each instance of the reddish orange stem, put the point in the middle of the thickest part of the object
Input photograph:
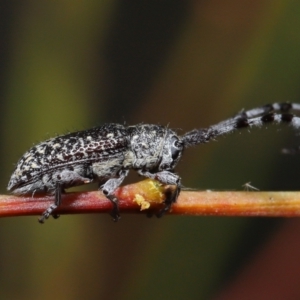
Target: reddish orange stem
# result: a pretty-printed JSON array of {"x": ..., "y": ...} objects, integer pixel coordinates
[{"x": 150, "y": 193}]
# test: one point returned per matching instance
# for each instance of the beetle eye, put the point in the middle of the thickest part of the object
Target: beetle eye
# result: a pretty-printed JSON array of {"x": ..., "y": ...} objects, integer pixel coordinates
[{"x": 176, "y": 148}]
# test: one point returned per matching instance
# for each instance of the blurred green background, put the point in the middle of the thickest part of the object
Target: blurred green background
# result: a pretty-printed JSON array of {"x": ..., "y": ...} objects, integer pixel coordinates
[{"x": 71, "y": 65}]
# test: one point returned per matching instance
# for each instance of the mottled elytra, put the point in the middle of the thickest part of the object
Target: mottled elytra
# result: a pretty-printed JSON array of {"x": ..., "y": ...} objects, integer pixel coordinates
[{"x": 105, "y": 155}]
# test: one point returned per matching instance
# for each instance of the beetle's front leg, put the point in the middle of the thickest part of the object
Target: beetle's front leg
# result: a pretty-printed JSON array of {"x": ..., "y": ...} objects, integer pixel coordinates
[{"x": 165, "y": 177}]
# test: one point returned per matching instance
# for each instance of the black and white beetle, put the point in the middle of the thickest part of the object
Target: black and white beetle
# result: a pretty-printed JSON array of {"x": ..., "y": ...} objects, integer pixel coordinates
[{"x": 106, "y": 154}]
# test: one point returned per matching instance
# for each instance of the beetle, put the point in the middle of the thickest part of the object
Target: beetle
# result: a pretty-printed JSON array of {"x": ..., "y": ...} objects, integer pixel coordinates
[{"x": 105, "y": 155}]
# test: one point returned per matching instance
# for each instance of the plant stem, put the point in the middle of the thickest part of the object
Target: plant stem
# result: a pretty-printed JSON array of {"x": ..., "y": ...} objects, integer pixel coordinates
[{"x": 148, "y": 196}]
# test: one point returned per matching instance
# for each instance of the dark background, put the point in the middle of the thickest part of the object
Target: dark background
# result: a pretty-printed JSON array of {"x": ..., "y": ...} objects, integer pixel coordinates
[{"x": 71, "y": 65}]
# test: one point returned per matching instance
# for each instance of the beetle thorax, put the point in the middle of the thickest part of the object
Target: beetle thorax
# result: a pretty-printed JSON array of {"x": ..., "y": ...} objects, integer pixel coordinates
[{"x": 151, "y": 147}]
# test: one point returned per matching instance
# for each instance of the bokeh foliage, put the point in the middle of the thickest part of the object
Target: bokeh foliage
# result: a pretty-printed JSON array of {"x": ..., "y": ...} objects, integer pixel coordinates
[{"x": 71, "y": 65}]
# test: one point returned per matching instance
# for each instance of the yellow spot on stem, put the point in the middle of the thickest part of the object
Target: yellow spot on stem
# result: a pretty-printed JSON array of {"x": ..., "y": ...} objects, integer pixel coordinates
[{"x": 140, "y": 200}]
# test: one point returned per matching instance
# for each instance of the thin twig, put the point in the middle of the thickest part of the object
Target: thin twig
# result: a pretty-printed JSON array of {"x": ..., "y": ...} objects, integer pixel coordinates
[{"x": 149, "y": 195}]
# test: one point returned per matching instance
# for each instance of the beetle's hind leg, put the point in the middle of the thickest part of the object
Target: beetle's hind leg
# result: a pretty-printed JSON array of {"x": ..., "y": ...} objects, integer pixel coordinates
[
  {"x": 67, "y": 178},
  {"x": 46, "y": 214}
]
